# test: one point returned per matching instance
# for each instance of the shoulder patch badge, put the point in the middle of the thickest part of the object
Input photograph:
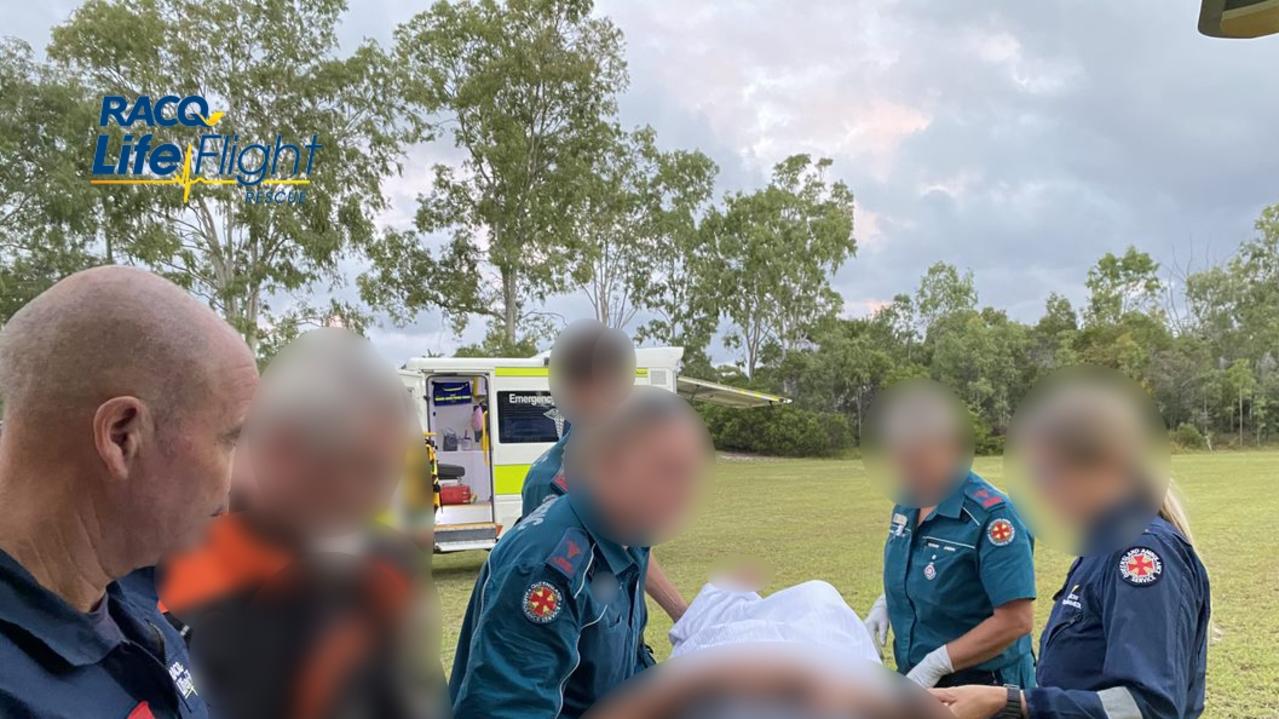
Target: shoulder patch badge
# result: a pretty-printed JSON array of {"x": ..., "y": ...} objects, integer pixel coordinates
[
  {"x": 570, "y": 554},
  {"x": 986, "y": 498},
  {"x": 1141, "y": 567},
  {"x": 1001, "y": 532},
  {"x": 543, "y": 602}
]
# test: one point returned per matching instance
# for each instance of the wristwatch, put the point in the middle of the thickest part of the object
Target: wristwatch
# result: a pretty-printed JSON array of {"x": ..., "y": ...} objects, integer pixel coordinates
[{"x": 1012, "y": 707}]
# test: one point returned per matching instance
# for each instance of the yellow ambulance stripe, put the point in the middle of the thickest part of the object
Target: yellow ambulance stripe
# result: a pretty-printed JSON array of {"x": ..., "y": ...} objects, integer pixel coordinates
[
  {"x": 543, "y": 372},
  {"x": 522, "y": 372},
  {"x": 509, "y": 478}
]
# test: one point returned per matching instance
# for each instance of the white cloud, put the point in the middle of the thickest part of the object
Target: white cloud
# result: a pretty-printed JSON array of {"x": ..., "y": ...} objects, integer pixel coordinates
[{"x": 1019, "y": 139}]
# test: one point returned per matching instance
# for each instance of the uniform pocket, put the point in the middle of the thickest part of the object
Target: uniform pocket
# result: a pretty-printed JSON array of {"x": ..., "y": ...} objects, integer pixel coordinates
[
  {"x": 1067, "y": 623},
  {"x": 949, "y": 570},
  {"x": 614, "y": 618}
]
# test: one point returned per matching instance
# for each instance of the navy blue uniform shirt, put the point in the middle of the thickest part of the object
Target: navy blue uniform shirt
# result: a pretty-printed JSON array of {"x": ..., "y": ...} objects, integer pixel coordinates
[
  {"x": 945, "y": 575},
  {"x": 1128, "y": 634},
  {"x": 121, "y": 661},
  {"x": 555, "y": 620}
]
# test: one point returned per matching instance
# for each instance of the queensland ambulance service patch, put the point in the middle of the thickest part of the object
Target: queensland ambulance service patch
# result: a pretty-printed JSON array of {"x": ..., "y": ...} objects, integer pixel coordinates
[
  {"x": 1000, "y": 532},
  {"x": 543, "y": 602},
  {"x": 1140, "y": 567}
]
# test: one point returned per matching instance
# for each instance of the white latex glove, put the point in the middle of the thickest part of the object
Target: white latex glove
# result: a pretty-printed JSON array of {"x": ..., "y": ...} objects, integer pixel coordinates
[
  {"x": 932, "y": 668},
  {"x": 877, "y": 622}
]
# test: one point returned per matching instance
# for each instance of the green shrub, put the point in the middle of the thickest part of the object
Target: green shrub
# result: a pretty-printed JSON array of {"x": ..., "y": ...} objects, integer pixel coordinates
[
  {"x": 782, "y": 431},
  {"x": 985, "y": 441},
  {"x": 1188, "y": 436}
]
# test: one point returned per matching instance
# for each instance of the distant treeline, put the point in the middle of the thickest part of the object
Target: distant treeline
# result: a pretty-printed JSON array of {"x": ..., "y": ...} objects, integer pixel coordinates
[{"x": 1203, "y": 344}]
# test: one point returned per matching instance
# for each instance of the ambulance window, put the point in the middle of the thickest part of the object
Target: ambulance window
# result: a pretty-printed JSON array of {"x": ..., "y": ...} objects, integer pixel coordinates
[{"x": 526, "y": 417}]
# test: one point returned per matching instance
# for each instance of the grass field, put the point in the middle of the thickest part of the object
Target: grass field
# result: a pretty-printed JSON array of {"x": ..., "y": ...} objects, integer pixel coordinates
[{"x": 821, "y": 519}]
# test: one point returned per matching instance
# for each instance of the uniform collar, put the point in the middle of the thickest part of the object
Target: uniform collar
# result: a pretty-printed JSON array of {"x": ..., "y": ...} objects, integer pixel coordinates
[
  {"x": 557, "y": 449},
  {"x": 954, "y": 504},
  {"x": 618, "y": 558},
  {"x": 70, "y": 634},
  {"x": 1119, "y": 526}
]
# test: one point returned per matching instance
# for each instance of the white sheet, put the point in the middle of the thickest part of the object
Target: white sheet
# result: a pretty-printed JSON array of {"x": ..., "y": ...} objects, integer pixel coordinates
[{"x": 811, "y": 617}]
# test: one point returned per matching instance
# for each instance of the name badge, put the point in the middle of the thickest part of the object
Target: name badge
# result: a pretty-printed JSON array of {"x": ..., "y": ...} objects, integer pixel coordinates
[{"x": 898, "y": 527}]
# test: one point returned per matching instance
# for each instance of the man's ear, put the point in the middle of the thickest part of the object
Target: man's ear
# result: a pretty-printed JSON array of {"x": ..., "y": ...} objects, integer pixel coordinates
[{"x": 120, "y": 427}]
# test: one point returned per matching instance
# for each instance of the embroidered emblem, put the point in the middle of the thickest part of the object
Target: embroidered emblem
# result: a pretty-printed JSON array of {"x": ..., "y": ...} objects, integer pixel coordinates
[
  {"x": 1140, "y": 567},
  {"x": 542, "y": 603},
  {"x": 1001, "y": 532}
]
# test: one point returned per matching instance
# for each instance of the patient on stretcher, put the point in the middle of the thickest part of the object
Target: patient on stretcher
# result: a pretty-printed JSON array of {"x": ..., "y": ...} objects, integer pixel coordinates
[
  {"x": 811, "y": 618},
  {"x": 799, "y": 653}
]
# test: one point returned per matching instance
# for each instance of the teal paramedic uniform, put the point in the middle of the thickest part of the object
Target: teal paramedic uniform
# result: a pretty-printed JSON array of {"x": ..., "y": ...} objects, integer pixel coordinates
[
  {"x": 944, "y": 576},
  {"x": 554, "y": 621},
  {"x": 545, "y": 478}
]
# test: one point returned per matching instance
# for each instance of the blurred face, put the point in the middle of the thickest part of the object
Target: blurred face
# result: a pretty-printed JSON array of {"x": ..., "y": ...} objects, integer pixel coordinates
[
  {"x": 594, "y": 398},
  {"x": 926, "y": 468},
  {"x": 646, "y": 485},
  {"x": 329, "y": 488},
  {"x": 191, "y": 472},
  {"x": 1074, "y": 492}
]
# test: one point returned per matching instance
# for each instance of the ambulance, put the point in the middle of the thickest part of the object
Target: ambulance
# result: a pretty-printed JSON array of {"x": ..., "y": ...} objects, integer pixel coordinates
[{"x": 489, "y": 418}]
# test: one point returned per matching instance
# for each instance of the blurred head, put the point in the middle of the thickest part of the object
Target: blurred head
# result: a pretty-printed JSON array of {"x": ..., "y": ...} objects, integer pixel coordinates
[
  {"x": 327, "y": 436},
  {"x": 135, "y": 392},
  {"x": 920, "y": 440},
  {"x": 642, "y": 465},
  {"x": 592, "y": 370},
  {"x": 1089, "y": 441}
]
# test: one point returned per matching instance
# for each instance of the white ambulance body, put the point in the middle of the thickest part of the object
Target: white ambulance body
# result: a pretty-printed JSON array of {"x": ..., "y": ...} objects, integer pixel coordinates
[{"x": 508, "y": 399}]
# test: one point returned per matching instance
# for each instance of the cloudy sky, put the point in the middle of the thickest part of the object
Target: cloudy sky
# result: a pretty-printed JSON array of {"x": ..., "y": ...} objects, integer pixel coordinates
[{"x": 1020, "y": 140}]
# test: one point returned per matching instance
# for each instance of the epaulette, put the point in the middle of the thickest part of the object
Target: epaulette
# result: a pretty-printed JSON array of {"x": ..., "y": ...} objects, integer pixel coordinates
[
  {"x": 984, "y": 496},
  {"x": 570, "y": 555}
]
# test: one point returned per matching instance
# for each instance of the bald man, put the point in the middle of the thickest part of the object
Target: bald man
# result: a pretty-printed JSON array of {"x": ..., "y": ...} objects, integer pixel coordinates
[{"x": 123, "y": 400}]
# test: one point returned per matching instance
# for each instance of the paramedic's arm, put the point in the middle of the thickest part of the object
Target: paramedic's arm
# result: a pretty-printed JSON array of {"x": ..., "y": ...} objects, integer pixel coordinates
[
  {"x": 517, "y": 667},
  {"x": 663, "y": 591},
  {"x": 1150, "y": 648},
  {"x": 1008, "y": 576},
  {"x": 988, "y": 639}
]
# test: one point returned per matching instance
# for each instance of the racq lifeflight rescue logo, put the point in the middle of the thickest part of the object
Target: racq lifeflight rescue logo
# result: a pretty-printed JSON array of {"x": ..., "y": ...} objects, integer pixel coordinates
[{"x": 270, "y": 172}]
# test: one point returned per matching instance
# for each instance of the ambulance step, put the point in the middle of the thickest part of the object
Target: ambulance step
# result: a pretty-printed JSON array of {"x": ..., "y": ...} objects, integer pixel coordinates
[{"x": 461, "y": 537}]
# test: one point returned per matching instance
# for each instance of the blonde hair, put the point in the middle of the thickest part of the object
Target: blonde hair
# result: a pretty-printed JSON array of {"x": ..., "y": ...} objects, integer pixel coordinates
[{"x": 1174, "y": 513}]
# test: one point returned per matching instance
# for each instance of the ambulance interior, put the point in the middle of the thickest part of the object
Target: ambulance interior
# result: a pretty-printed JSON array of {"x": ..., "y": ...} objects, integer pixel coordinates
[{"x": 458, "y": 418}]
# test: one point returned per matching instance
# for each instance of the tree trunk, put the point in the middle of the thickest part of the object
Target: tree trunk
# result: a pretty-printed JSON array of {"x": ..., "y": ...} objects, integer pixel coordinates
[
  {"x": 1241, "y": 420},
  {"x": 251, "y": 311},
  {"x": 510, "y": 310}
]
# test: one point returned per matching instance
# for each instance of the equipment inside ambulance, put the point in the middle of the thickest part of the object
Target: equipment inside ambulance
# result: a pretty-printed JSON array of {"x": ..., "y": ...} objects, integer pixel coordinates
[{"x": 486, "y": 419}]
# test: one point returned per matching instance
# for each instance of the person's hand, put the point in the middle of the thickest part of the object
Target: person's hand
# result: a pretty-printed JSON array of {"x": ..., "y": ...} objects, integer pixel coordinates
[
  {"x": 932, "y": 668},
  {"x": 877, "y": 622},
  {"x": 972, "y": 702}
]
